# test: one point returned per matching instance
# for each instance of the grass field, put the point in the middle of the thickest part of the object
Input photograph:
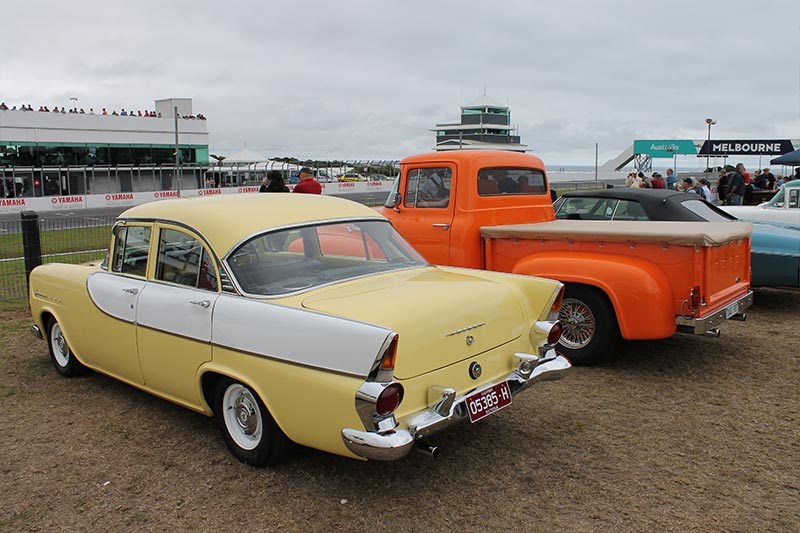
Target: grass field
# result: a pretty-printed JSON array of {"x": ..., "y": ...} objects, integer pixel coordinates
[{"x": 75, "y": 245}]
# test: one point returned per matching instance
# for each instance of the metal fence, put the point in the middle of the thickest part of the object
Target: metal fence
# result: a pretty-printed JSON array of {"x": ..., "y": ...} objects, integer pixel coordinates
[{"x": 74, "y": 239}]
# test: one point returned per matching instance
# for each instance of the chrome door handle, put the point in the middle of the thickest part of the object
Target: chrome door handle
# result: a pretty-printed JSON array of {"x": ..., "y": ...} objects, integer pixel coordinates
[
  {"x": 131, "y": 291},
  {"x": 201, "y": 303},
  {"x": 443, "y": 226}
]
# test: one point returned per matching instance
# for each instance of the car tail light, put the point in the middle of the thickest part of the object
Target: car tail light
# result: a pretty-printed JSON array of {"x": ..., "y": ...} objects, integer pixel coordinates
[
  {"x": 389, "y": 399},
  {"x": 554, "y": 334},
  {"x": 694, "y": 298}
]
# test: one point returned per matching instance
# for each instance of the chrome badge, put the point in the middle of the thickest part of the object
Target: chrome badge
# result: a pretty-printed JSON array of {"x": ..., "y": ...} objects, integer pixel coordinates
[{"x": 475, "y": 370}]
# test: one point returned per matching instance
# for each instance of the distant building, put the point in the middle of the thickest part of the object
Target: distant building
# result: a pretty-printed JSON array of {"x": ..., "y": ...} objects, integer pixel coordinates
[
  {"x": 49, "y": 154},
  {"x": 485, "y": 125}
]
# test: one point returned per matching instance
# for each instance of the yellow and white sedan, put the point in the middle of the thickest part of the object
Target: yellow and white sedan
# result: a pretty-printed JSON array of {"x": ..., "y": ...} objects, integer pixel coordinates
[{"x": 297, "y": 319}]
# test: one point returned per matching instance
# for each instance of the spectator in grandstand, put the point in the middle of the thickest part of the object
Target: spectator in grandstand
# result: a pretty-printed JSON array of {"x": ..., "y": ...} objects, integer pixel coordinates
[
  {"x": 4, "y": 107},
  {"x": 307, "y": 184}
]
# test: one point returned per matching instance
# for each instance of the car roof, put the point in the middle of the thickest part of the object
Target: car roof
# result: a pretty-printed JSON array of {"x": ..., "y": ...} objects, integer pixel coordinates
[
  {"x": 658, "y": 204},
  {"x": 481, "y": 158},
  {"x": 227, "y": 219}
]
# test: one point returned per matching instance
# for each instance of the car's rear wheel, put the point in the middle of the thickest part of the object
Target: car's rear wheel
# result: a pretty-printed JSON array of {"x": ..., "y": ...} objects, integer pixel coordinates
[
  {"x": 62, "y": 357},
  {"x": 248, "y": 429},
  {"x": 590, "y": 330}
]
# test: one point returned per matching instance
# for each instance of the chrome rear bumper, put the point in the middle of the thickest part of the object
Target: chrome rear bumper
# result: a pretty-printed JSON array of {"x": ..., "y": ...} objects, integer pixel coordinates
[
  {"x": 396, "y": 443},
  {"x": 732, "y": 311}
]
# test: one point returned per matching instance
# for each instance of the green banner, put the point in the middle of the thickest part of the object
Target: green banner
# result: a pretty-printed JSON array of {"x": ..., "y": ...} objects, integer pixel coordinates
[{"x": 664, "y": 148}]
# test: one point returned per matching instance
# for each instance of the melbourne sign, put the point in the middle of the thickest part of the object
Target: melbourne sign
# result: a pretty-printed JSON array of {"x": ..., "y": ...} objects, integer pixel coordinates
[
  {"x": 758, "y": 147},
  {"x": 667, "y": 148}
]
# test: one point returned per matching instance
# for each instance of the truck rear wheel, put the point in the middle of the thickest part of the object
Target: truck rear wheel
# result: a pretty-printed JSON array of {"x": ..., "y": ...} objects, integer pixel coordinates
[{"x": 590, "y": 325}]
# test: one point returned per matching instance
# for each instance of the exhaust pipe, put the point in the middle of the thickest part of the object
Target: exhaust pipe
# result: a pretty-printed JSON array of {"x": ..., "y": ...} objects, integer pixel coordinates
[
  {"x": 428, "y": 449},
  {"x": 713, "y": 332}
]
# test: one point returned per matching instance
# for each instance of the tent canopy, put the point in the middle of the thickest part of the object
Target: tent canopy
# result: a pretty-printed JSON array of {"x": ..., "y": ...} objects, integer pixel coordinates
[{"x": 792, "y": 158}]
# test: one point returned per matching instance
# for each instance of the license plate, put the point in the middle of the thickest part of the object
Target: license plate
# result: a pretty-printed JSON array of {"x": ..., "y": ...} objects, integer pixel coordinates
[
  {"x": 488, "y": 401},
  {"x": 731, "y": 310}
]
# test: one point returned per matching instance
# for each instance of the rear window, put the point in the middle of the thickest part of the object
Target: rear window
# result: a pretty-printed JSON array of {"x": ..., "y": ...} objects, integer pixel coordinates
[
  {"x": 707, "y": 212},
  {"x": 500, "y": 181}
]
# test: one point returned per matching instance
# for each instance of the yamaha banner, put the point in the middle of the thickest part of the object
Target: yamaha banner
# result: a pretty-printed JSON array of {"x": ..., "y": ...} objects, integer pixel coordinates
[{"x": 758, "y": 147}]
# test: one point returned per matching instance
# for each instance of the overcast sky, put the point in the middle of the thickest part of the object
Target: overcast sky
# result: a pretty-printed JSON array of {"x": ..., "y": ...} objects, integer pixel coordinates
[{"x": 370, "y": 79}]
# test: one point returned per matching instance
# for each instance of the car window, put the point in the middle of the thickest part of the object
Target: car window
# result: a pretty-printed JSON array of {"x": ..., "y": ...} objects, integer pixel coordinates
[
  {"x": 629, "y": 210},
  {"x": 587, "y": 208},
  {"x": 428, "y": 187},
  {"x": 707, "y": 212},
  {"x": 296, "y": 259},
  {"x": 793, "y": 196},
  {"x": 182, "y": 259},
  {"x": 131, "y": 248},
  {"x": 498, "y": 181}
]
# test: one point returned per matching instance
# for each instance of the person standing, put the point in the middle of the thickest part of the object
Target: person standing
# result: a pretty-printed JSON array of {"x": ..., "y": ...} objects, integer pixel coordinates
[
  {"x": 263, "y": 187},
  {"x": 736, "y": 185},
  {"x": 276, "y": 183},
  {"x": 672, "y": 179},
  {"x": 307, "y": 184},
  {"x": 704, "y": 189},
  {"x": 657, "y": 182},
  {"x": 769, "y": 177}
]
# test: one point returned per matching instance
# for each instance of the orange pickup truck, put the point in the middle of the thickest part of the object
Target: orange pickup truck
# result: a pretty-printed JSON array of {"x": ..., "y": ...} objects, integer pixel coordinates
[{"x": 630, "y": 279}]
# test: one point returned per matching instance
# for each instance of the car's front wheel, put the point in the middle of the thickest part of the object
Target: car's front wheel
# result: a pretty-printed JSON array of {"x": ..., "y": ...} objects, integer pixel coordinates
[
  {"x": 590, "y": 330},
  {"x": 248, "y": 429},
  {"x": 62, "y": 357}
]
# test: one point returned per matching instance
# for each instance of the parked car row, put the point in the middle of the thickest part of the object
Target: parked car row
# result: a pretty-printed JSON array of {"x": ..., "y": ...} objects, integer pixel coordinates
[{"x": 313, "y": 320}]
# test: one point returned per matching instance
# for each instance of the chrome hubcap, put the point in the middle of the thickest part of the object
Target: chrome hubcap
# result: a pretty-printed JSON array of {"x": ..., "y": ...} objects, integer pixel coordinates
[
  {"x": 579, "y": 324},
  {"x": 60, "y": 348},
  {"x": 246, "y": 415},
  {"x": 242, "y": 416}
]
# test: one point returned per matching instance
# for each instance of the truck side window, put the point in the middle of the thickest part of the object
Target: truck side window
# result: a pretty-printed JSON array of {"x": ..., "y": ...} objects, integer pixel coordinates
[
  {"x": 509, "y": 180},
  {"x": 428, "y": 187}
]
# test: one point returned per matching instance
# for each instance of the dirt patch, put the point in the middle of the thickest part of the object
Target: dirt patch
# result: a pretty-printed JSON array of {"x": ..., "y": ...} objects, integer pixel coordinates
[{"x": 689, "y": 433}]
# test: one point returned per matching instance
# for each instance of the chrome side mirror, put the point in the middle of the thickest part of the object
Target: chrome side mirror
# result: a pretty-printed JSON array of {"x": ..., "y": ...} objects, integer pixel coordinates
[{"x": 398, "y": 199}]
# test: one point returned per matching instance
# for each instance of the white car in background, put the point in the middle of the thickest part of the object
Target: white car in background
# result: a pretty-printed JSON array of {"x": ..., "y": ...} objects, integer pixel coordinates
[{"x": 782, "y": 210}]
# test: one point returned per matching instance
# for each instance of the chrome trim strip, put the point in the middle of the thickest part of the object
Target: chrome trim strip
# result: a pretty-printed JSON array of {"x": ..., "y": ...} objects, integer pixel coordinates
[
  {"x": 463, "y": 330},
  {"x": 397, "y": 443}
]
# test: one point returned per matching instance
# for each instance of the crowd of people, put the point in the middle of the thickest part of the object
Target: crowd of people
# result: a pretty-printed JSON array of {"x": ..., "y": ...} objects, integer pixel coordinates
[
  {"x": 735, "y": 185},
  {"x": 104, "y": 111}
]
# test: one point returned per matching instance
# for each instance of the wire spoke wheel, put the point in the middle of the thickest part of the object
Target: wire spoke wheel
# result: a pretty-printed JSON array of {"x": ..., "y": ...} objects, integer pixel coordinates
[{"x": 579, "y": 324}]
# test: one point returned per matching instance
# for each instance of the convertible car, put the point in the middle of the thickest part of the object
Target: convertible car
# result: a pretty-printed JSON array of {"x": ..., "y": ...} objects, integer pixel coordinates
[
  {"x": 782, "y": 210},
  {"x": 774, "y": 251},
  {"x": 297, "y": 318}
]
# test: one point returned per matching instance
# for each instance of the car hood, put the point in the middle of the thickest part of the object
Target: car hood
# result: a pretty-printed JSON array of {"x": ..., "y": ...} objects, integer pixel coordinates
[{"x": 433, "y": 311}]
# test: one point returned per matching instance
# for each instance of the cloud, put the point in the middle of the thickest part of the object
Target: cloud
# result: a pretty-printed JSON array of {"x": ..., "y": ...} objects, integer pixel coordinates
[{"x": 365, "y": 79}]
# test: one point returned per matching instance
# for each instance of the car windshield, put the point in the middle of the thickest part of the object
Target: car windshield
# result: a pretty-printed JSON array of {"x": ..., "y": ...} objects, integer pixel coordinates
[
  {"x": 778, "y": 199},
  {"x": 301, "y": 258}
]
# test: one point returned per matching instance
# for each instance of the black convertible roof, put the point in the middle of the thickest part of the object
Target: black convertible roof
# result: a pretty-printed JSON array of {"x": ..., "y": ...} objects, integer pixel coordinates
[{"x": 658, "y": 204}]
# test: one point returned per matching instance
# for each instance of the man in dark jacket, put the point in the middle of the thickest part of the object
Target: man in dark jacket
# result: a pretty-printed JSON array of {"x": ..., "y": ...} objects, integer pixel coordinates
[{"x": 736, "y": 185}]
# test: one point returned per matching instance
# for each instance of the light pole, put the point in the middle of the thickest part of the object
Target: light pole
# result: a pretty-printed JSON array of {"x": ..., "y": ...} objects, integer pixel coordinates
[{"x": 710, "y": 122}]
